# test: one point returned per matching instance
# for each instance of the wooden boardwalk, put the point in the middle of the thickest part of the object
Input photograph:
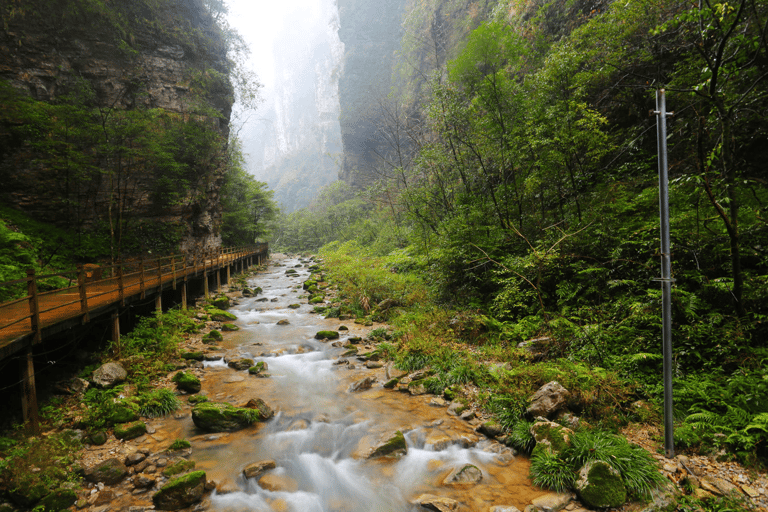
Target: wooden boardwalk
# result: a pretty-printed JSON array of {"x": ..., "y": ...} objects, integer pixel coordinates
[{"x": 96, "y": 291}]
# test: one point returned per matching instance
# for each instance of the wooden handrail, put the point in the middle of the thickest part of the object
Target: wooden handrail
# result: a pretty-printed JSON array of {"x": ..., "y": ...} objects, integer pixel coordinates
[{"x": 122, "y": 278}]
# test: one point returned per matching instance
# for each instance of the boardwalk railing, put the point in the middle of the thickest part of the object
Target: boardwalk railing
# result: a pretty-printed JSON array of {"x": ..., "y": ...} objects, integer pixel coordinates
[
  {"x": 99, "y": 290},
  {"x": 92, "y": 286}
]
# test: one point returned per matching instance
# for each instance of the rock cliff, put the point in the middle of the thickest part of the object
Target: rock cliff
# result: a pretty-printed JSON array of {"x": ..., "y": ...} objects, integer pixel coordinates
[{"x": 116, "y": 118}]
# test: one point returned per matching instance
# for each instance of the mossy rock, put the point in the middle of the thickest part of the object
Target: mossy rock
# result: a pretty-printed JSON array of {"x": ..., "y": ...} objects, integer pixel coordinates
[
  {"x": 221, "y": 303},
  {"x": 600, "y": 485},
  {"x": 258, "y": 368},
  {"x": 197, "y": 399},
  {"x": 178, "y": 467},
  {"x": 181, "y": 492},
  {"x": 294, "y": 306},
  {"x": 354, "y": 339},
  {"x": 187, "y": 382},
  {"x": 241, "y": 364},
  {"x": 229, "y": 327},
  {"x": 330, "y": 335},
  {"x": 350, "y": 352},
  {"x": 395, "y": 446},
  {"x": 27, "y": 493},
  {"x": 214, "y": 335},
  {"x": 367, "y": 322},
  {"x": 98, "y": 438},
  {"x": 451, "y": 392},
  {"x": 218, "y": 315},
  {"x": 552, "y": 435},
  {"x": 109, "y": 472},
  {"x": 313, "y": 289},
  {"x": 391, "y": 383},
  {"x": 247, "y": 292},
  {"x": 308, "y": 283},
  {"x": 192, "y": 356},
  {"x": 60, "y": 499},
  {"x": 221, "y": 417},
  {"x": 130, "y": 430},
  {"x": 317, "y": 299},
  {"x": 123, "y": 411}
]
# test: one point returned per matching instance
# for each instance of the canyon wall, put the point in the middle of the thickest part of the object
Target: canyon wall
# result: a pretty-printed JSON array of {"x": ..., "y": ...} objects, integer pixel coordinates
[{"x": 115, "y": 118}]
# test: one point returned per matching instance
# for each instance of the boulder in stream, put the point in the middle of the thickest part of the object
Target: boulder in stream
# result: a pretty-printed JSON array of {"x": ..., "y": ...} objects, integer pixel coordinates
[
  {"x": 362, "y": 384},
  {"x": 240, "y": 364},
  {"x": 187, "y": 382},
  {"x": 260, "y": 405},
  {"x": 438, "y": 503},
  {"x": 181, "y": 492},
  {"x": 464, "y": 476},
  {"x": 327, "y": 335},
  {"x": 220, "y": 417},
  {"x": 394, "y": 446},
  {"x": 255, "y": 469}
]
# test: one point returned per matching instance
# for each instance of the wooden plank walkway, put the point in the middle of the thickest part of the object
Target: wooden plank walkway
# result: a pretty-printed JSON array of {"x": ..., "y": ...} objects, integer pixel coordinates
[{"x": 31, "y": 316}]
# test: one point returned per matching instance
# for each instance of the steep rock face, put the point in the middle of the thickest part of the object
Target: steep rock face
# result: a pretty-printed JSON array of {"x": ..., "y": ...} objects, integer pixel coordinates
[
  {"x": 164, "y": 62},
  {"x": 371, "y": 32}
]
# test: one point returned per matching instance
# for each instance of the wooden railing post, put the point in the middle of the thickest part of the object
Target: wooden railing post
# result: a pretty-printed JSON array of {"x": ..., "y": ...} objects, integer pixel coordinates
[
  {"x": 173, "y": 270},
  {"x": 83, "y": 293},
  {"x": 29, "y": 393},
  {"x": 34, "y": 306},
  {"x": 141, "y": 277},
  {"x": 160, "y": 273},
  {"x": 120, "y": 283}
]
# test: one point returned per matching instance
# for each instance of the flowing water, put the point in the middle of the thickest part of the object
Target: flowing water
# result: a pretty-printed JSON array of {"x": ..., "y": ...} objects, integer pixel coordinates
[{"x": 322, "y": 433}]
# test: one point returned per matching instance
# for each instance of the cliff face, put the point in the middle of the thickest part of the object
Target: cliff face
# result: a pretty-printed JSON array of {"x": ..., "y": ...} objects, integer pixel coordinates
[
  {"x": 115, "y": 117},
  {"x": 371, "y": 33}
]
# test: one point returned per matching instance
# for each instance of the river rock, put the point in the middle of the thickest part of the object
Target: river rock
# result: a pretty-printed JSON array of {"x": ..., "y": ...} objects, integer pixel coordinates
[
  {"x": 143, "y": 481},
  {"x": 394, "y": 373},
  {"x": 109, "y": 472},
  {"x": 187, "y": 382},
  {"x": 240, "y": 364},
  {"x": 181, "y": 492},
  {"x": 278, "y": 483},
  {"x": 134, "y": 458},
  {"x": 265, "y": 411},
  {"x": 490, "y": 429},
  {"x": 258, "y": 368},
  {"x": 600, "y": 485},
  {"x": 551, "y": 502},
  {"x": 394, "y": 446},
  {"x": 719, "y": 486},
  {"x": 550, "y": 398},
  {"x": 109, "y": 375},
  {"x": 432, "y": 502},
  {"x": 504, "y": 508},
  {"x": 219, "y": 417},
  {"x": 362, "y": 384},
  {"x": 456, "y": 408},
  {"x": 255, "y": 469},
  {"x": 464, "y": 476}
]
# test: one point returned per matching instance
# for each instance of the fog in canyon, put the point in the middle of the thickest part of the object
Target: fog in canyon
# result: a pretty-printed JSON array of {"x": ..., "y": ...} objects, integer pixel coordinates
[{"x": 293, "y": 141}]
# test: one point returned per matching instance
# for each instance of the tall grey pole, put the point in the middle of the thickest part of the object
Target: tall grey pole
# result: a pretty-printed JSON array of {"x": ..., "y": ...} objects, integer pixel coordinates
[{"x": 666, "y": 270}]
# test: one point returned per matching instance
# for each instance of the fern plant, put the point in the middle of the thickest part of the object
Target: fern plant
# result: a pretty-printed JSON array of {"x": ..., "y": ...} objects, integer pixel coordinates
[
  {"x": 549, "y": 471},
  {"x": 158, "y": 403}
]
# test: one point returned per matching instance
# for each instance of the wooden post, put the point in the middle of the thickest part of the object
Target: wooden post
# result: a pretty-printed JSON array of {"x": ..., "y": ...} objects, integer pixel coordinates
[
  {"x": 173, "y": 270},
  {"x": 29, "y": 393},
  {"x": 120, "y": 283},
  {"x": 141, "y": 277},
  {"x": 228, "y": 272},
  {"x": 218, "y": 278},
  {"x": 34, "y": 306},
  {"x": 116, "y": 329},
  {"x": 159, "y": 273},
  {"x": 159, "y": 300},
  {"x": 206, "y": 292},
  {"x": 184, "y": 293},
  {"x": 83, "y": 294}
]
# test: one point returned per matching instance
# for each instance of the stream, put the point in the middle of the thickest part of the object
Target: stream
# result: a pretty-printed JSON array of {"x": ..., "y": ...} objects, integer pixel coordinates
[{"x": 322, "y": 433}]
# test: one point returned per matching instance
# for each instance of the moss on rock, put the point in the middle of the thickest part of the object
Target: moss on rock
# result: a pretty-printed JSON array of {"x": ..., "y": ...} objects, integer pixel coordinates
[
  {"x": 600, "y": 485},
  {"x": 395, "y": 446},
  {"x": 330, "y": 335},
  {"x": 187, "y": 382},
  {"x": 130, "y": 430},
  {"x": 181, "y": 492},
  {"x": 220, "y": 417},
  {"x": 221, "y": 316}
]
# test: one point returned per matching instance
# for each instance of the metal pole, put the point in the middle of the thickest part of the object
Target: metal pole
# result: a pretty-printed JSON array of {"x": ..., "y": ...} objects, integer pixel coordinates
[{"x": 666, "y": 270}]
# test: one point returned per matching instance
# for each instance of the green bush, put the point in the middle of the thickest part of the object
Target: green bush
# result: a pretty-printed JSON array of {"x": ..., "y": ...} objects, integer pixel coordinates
[{"x": 158, "y": 402}]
